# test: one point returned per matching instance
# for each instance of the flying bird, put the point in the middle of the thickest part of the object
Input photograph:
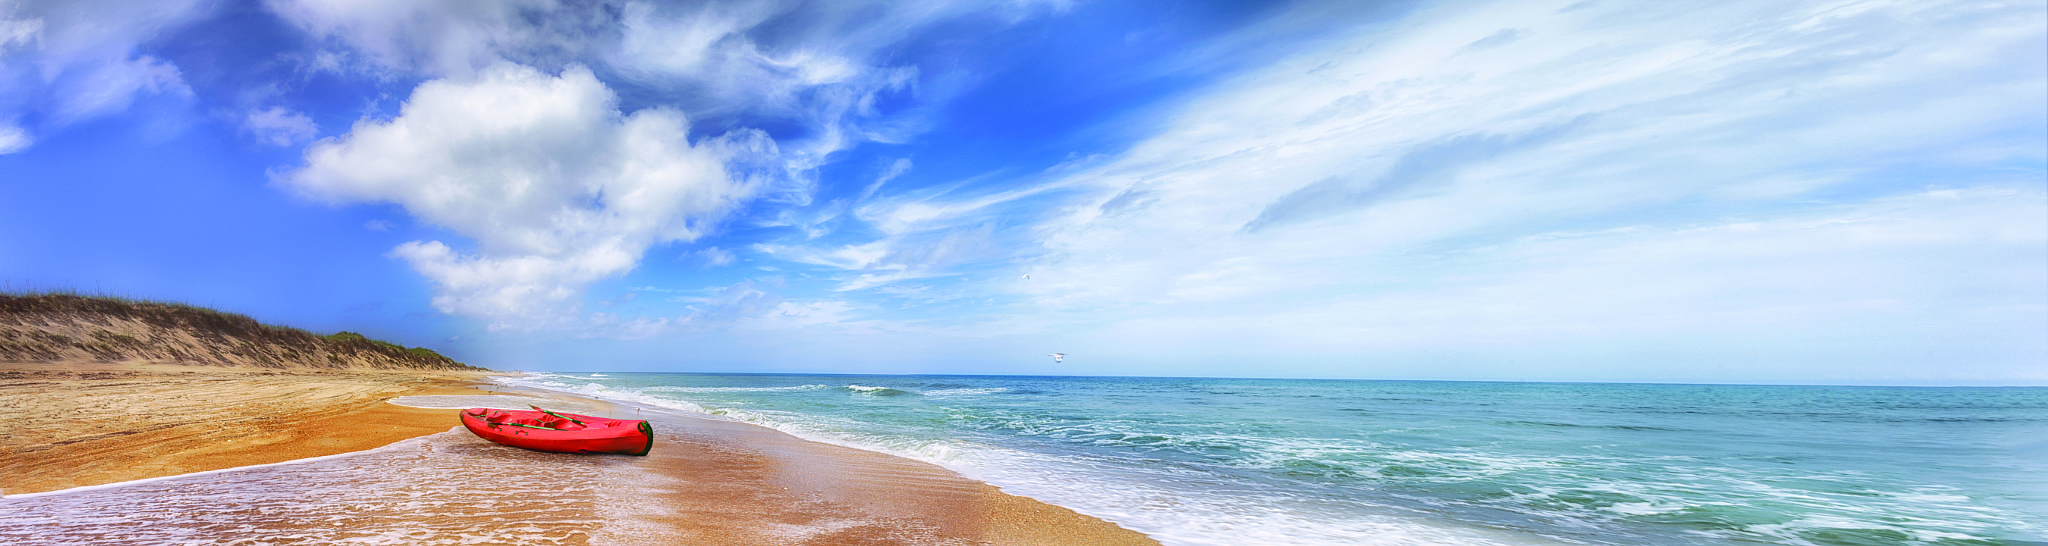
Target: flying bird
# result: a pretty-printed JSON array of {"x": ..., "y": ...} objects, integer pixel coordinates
[
  {"x": 1027, "y": 276},
  {"x": 1059, "y": 357}
]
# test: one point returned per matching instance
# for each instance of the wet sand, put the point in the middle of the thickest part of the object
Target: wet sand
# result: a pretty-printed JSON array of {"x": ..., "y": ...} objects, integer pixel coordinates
[
  {"x": 87, "y": 423},
  {"x": 707, "y": 481},
  {"x": 735, "y": 483}
]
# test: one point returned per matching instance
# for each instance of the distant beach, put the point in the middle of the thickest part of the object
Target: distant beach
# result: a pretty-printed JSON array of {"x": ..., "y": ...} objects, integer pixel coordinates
[{"x": 123, "y": 453}]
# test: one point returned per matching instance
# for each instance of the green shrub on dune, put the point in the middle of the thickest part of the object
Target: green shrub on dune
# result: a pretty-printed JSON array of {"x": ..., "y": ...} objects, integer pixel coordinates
[{"x": 52, "y": 326}]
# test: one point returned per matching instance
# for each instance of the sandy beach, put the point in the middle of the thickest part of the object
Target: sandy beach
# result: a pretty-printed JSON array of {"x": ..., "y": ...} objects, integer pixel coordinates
[
  {"x": 90, "y": 423},
  {"x": 707, "y": 481}
]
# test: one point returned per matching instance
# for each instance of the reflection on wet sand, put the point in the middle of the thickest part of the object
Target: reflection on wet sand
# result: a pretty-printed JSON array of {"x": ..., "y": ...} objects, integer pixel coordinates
[
  {"x": 448, "y": 488},
  {"x": 706, "y": 482}
]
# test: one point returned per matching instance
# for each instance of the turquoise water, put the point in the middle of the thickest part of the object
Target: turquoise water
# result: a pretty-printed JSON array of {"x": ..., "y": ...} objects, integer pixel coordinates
[{"x": 1252, "y": 461}]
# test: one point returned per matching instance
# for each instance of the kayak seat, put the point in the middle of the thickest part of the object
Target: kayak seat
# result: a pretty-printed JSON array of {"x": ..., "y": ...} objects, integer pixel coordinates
[{"x": 557, "y": 423}]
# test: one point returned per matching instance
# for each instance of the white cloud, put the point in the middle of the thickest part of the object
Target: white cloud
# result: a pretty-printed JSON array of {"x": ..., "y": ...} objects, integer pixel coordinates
[
  {"x": 19, "y": 31},
  {"x": 845, "y": 257},
  {"x": 915, "y": 255},
  {"x": 1849, "y": 293},
  {"x": 13, "y": 139},
  {"x": 279, "y": 126},
  {"x": 716, "y": 257},
  {"x": 440, "y": 39},
  {"x": 1415, "y": 185},
  {"x": 896, "y": 169},
  {"x": 1405, "y": 140},
  {"x": 66, "y": 62},
  {"x": 818, "y": 65},
  {"x": 109, "y": 87},
  {"x": 740, "y": 307},
  {"x": 557, "y": 187},
  {"x": 1842, "y": 274},
  {"x": 820, "y": 68},
  {"x": 814, "y": 64},
  {"x": 687, "y": 43},
  {"x": 928, "y": 233},
  {"x": 791, "y": 315}
]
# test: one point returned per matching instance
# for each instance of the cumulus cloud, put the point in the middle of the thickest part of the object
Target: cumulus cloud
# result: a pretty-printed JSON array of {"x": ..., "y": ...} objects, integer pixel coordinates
[
  {"x": 279, "y": 126},
  {"x": 816, "y": 72},
  {"x": 556, "y": 186},
  {"x": 818, "y": 65}
]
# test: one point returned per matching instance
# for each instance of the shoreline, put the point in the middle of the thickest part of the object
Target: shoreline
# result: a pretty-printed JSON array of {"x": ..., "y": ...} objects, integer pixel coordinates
[
  {"x": 76, "y": 424},
  {"x": 707, "y": 481}
]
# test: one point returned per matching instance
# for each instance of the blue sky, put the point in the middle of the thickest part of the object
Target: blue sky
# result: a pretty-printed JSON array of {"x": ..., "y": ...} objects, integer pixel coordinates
[{"x": 1760, "y": 192}]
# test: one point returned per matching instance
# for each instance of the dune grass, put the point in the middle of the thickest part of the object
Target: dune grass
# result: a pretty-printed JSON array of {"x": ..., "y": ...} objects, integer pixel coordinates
[{"x": 226, "y": 336}]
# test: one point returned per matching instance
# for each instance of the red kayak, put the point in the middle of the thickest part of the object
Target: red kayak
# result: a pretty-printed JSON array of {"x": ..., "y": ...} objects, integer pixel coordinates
[{"x": 543, "y": 430}]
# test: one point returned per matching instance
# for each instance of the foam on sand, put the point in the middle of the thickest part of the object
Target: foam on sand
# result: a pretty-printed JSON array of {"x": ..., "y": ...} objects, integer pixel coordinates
[{"x": 706, "y": 481}]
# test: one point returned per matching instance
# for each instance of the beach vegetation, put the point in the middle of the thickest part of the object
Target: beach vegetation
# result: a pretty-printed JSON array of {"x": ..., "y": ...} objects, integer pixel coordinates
[{"x": 45, "y": 326}]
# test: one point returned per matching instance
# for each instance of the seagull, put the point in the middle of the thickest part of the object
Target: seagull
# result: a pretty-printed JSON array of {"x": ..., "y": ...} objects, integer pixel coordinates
[
  {"x": 1027, "y": 276},
  {"x": 1059, "y": 357}
]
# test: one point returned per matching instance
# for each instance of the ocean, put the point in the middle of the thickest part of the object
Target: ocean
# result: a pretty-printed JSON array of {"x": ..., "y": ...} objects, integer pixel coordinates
[{"x": 1326, "y": 462}]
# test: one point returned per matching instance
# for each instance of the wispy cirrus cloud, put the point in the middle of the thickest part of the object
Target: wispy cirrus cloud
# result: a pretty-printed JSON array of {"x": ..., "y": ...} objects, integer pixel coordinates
[
  {"x": 1846, "y": 293},
  {"x": 716, "y": 257},
  {"x": 747, "y": 307},
  {"x": 1409, "y": 139},
  {"x": 280, "y": 126},
  {"x": 66, "y": 62},
  {"x": 444, "y": 39},
  {"x": 1728, "y": 147},
  {"x": 925, "y": 234},
  {"x": 13, "y": 139}
]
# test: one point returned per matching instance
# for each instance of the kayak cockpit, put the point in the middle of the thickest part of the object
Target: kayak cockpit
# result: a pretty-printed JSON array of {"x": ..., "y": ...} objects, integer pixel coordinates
[{"x": 545, "y": 430}]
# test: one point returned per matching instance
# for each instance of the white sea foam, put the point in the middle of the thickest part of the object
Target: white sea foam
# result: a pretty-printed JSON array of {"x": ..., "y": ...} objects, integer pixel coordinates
[
  {"x": 497, "y": 401},
  {"x": 1198, "y": 475},
  {"x": 439, "y": 489},
  {"x": 1159, "y": 504},
  {"x": 547, "y": 381},
  {"x": 809, "y": 428},
  {"x": 943, "y": 393},
  {"x": 399, "y": 445},
  {"x": 1165, "y": 512},
  {"x": 846, "y": 434},
  {"x": 712, "y": 390}
]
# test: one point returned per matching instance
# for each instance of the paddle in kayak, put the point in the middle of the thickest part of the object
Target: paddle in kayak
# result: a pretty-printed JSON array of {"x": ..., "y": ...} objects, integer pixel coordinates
[{"x": 543, "y": 430}]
